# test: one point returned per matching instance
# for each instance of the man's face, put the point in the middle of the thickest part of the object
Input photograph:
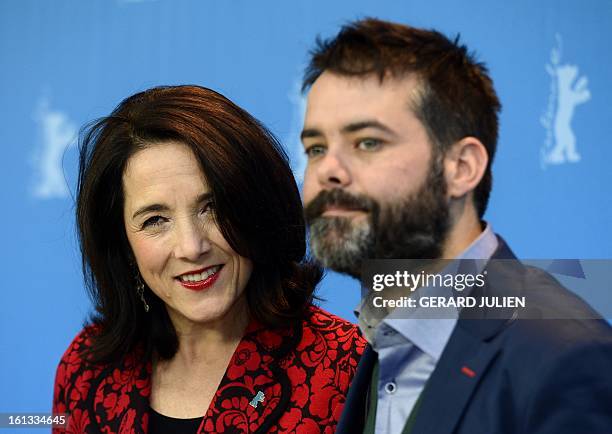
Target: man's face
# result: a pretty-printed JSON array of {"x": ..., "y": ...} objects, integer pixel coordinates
[{"x": 373, "y": 187}]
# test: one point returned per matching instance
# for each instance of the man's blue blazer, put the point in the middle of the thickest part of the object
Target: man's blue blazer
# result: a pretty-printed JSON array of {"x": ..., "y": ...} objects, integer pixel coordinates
[{"x": 503, "y": 374}]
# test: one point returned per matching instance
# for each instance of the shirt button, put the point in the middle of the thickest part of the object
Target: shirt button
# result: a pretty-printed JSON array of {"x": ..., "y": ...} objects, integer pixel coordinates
[{"x": 390, "y": 388}]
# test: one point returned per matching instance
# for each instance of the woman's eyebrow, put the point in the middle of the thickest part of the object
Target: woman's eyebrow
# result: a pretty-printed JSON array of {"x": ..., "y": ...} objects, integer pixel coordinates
[
  {"x": 204, "y": 197},
  {"x": 155, "y": 207}
]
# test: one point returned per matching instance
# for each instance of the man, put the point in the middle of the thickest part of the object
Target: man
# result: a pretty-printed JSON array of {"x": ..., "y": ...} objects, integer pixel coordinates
[{"x": 400, "y": 132}]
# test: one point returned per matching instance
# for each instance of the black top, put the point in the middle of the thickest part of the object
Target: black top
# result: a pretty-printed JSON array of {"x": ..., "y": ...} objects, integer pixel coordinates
[{"x": 160, "y": 424}]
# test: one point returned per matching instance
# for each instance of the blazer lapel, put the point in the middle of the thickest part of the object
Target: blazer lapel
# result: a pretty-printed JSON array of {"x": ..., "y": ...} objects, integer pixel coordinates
[
  {"x": 459, "y": 370},
  {"x": 470, "y": 349},
  {"x": 255, "y": 389},
  {"x": 354, "y": 413}
]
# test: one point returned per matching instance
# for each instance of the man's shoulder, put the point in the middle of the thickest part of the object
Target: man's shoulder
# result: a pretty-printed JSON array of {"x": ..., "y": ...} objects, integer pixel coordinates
[
  {"x": 550, "y": 299},
  {"x": 554, "y": 324},
  {"x": 542, "y": 339},
  {"x": 553, "y": 315},
  {"x": 545, "y": 296}
]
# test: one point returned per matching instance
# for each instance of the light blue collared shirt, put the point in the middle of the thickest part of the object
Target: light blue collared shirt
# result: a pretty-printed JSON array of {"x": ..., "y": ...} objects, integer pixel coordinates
[{"x": 409, "y": 347}]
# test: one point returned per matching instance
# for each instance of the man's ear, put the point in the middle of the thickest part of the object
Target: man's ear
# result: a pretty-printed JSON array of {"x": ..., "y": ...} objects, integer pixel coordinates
[{"x": 465, "y": 163}]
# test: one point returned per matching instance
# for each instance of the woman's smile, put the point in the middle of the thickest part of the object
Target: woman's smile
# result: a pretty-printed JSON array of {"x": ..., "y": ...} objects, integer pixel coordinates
[{"x": 200, "y": 279}]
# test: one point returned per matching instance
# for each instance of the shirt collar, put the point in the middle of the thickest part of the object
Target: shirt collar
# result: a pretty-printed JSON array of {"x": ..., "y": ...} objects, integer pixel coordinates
[{"x": 482, "y": 247}]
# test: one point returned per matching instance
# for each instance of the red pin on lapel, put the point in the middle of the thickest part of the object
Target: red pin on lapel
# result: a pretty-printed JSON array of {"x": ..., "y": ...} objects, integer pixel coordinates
[{"x": 467, "y": 371}]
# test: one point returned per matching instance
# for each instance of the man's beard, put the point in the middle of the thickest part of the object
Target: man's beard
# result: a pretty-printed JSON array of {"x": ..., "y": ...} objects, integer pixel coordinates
[{"x": 414, "y": 228}]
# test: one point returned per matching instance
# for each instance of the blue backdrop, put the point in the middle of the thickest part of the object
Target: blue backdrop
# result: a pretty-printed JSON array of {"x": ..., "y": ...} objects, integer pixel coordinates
[{"x": 66, "y": 62}]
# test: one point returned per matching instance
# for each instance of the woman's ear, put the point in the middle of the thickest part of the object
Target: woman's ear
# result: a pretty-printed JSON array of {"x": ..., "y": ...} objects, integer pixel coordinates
[{"x": 464, "y": 166}]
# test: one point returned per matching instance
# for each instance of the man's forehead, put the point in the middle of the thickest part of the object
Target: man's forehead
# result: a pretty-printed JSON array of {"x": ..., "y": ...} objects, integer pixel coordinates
[{"x": 339, "y": 99}]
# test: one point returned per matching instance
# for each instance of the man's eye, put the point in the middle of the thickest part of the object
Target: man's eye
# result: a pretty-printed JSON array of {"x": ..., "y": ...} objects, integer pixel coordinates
[
  {"x": 314, "y": 151},
  {"x": 154, "y": 221},
  {"x": 369, "y": 144}
]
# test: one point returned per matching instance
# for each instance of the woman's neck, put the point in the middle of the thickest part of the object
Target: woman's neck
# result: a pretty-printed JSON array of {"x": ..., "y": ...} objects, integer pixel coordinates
[
  {"x": 207, "y": 342},
  {"x": 185, "y": 385}
]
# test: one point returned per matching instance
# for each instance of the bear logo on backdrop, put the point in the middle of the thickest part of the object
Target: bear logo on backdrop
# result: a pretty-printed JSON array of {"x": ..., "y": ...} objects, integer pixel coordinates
[
  {"x": 567, "y": 91},
  {"x": 56, "y": 133}
]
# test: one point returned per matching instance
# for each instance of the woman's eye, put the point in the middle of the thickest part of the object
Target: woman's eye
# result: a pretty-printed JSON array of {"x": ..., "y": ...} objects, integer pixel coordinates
[
  {"x": 314, "y": 151},
  {"x": 208, "y": 207},
  {"x": 369, "y": 144},
  {"x": 153, "y": 222}
]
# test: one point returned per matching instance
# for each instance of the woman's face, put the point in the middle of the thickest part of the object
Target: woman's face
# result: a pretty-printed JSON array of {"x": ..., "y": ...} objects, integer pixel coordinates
[{"x": 180, "y": 252}]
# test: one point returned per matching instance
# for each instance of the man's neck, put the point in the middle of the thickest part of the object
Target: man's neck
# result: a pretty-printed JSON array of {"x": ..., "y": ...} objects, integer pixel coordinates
[{"x": 464, "y": 230}]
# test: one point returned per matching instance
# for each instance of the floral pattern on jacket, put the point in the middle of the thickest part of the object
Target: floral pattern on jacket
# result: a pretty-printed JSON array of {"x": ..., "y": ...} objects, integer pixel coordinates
[{"x": 303, "y": 372}]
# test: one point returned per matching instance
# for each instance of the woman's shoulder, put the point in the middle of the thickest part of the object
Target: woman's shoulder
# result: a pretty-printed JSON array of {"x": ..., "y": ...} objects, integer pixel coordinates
[
  {"x": 72, "y": 368},
  {"x": 324, "y": 362},
  {"x": 74, "y": 359},
  {"x": 330, "y": 327},
  {"x": 80, "y": 345},
  {"x": 319, "y": 317},
  {"x": 116, "y": 389}
]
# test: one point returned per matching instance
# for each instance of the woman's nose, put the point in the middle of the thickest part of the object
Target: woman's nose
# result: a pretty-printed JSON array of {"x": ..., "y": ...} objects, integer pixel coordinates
[{"x": 191, "y": 240}]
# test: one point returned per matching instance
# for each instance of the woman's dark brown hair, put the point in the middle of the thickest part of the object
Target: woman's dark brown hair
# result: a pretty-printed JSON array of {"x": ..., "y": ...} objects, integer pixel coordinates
[{"x": 257, "y": 209}]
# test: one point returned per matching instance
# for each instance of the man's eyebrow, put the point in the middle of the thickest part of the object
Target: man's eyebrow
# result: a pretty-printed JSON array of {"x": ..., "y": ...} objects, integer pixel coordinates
[
  {"x": 362, "y": 125},
  {"x": 353, "y": 127},
  {"x": 310, "y": 133},
  {"x": 157, "y": 207}
]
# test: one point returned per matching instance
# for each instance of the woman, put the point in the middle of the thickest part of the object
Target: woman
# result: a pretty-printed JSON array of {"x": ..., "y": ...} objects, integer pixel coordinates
[{"x": 193, "y": 243}]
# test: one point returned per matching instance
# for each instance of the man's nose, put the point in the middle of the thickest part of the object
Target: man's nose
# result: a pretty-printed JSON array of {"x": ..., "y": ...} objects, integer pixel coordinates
[
  {"x": 191, "y": 239},
  {"x": 334, "y": 171}
]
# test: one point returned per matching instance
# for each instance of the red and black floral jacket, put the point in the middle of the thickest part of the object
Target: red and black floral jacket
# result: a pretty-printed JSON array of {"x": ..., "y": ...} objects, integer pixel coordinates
[{"x": 303, "y": 373}]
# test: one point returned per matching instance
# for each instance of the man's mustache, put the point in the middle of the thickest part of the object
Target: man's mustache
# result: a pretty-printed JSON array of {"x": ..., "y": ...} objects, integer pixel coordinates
[{"x": 337, "y": 198}]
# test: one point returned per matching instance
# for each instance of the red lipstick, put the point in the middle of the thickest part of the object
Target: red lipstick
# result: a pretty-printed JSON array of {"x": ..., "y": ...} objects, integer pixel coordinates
[{"x": 202, "y": 284}]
